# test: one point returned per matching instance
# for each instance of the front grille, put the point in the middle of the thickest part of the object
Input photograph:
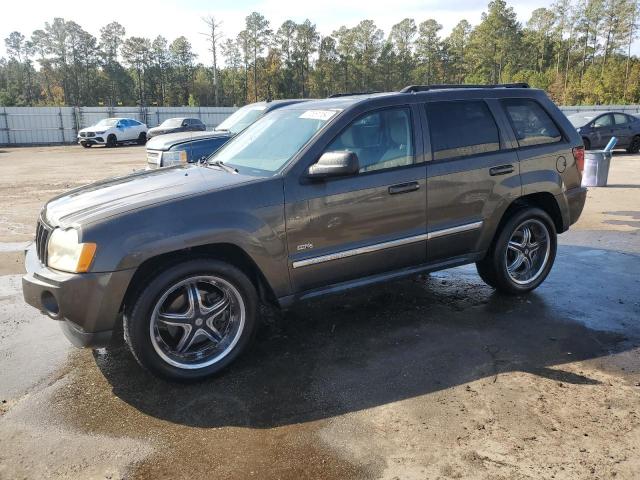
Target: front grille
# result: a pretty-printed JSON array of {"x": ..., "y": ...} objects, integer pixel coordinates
[
  {"x": 42, "y": 237},
  {"x": 91, "y": 134},
  {"x": 83, "y": 134}
]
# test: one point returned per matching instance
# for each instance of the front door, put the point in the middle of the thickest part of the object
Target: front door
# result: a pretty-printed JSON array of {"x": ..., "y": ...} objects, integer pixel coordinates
[
  {"x": 474, "y": 171},
  {"x": 346, "y": 228}
]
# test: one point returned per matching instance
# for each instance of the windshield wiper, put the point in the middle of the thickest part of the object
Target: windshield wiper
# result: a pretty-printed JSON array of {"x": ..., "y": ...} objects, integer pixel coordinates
[{"x": 218, "y": 163}]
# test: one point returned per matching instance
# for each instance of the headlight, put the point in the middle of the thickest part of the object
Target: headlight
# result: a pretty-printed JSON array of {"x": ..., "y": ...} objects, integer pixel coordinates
[
  {"x": 101, "y": 133},
  {"x": 175, "y": 157},
  {"x": 66, "y": 254}
]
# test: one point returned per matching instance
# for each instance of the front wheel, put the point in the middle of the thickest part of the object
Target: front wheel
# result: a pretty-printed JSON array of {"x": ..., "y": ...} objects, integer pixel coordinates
[
  {"x": 522, "y": 255},
  {"x": 192, "y": 319},
  {"x": 86, "y": 145},
  {"x": 112, "y": 141}
]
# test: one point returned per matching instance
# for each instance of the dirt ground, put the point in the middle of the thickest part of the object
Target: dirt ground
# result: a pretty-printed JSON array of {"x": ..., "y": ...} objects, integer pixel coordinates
[{"x": 430, "y": 378}]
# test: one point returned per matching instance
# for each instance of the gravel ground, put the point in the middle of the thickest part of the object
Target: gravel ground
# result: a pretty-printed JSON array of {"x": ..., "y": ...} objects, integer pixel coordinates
[{"x": 433, "y": 377}]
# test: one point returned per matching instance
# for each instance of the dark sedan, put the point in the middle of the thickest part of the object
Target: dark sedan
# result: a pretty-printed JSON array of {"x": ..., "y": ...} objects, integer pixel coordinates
[
  {"x": 180, "y": 148},
  {"x": 597, "y": 128},
  {"x": 174, "y": 125}
]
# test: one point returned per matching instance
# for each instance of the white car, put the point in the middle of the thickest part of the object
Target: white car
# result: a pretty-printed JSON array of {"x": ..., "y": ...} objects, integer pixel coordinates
[{"x": 112, "y": 131}]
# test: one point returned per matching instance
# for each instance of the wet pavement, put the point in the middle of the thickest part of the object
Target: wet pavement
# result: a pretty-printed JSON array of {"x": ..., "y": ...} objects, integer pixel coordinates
[{"x": 431, "y": 377}]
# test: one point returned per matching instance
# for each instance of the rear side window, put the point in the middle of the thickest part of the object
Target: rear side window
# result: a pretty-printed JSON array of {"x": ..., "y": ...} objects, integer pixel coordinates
[
  {"x": 621, "y": 118},
  {"x": 461, "y": 129},
  {"x": 531, "y": 124}
]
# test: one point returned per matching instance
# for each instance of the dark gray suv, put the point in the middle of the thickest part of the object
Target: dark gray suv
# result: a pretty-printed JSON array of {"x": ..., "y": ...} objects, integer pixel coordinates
[{"x": 311, "y": 199}]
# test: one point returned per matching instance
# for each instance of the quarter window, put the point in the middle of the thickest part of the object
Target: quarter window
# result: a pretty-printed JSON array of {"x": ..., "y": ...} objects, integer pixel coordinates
[
  {"x": 531, "y": 124},
  {"x": 461, "y": 128},
  {"x": 381, "y": 140}
]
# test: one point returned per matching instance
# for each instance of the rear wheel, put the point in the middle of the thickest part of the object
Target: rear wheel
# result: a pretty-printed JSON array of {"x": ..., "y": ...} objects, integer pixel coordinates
[
  {"x": 522, "y": 255},
  {"x": 142, "y": 138},
  {"x": 112, "y": 141},
  {"x": 634, "y": 146},
  {"x": 192, "y": 319}
]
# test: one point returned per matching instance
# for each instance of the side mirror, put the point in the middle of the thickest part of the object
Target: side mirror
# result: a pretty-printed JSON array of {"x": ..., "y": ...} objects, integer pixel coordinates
[
  {"x": 335, "y": 164},
  {"x": 184, "y": 124},
  {"x": 119, "y": 125}
]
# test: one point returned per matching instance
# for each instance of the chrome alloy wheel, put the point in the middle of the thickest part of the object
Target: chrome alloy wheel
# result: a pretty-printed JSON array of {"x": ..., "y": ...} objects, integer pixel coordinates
[
  {"x": 528, "y": 251},
  {"x": 197, "y": 322}
]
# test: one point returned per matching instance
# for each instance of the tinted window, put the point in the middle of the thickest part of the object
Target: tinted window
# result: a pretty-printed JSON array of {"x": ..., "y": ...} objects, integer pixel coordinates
[
  {"x": 531, "y": 124},
  {"x": 620, "y": 118},
  {"x": 460, "y": 129},
  {"x": 603, "y": 121},
  {"x": 383, "y": 139}
]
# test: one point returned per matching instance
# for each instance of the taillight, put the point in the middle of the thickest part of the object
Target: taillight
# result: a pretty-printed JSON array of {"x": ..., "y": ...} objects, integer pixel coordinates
[{"x": 578, "y": 156}]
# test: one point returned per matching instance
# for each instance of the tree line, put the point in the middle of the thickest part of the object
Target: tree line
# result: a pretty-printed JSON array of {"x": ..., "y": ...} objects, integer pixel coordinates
[{"x": 579, "y": 51}]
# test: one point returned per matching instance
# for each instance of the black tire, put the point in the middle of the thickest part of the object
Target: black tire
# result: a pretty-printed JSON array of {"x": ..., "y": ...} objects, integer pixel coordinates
[
  {"x": 493, "y": 268},
  {"x": 142, "y": 138},
  {"x": 112, "y": 141},
  {"x": 86, "y": 145},
  {"x": 634, "y": 146},
  {"x": 587, "y": 143},
  {"x": 138, "y": 319}
]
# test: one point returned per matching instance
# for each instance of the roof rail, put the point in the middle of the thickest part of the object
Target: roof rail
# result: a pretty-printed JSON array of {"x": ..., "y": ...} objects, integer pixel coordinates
[
  {"x": 426, "y": 88},
  {"x": 348, "y": 94}
]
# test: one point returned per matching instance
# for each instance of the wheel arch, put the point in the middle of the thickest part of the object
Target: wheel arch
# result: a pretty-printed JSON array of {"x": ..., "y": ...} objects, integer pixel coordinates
[
  {"x": 542, "y": 200},
  {"x": 226, "y": 252}
]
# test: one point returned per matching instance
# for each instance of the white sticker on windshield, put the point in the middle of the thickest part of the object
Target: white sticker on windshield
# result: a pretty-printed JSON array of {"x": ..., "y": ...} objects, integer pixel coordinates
[
  {"x": 260, "y": 107},
  {"x": 318, "y": 114}
]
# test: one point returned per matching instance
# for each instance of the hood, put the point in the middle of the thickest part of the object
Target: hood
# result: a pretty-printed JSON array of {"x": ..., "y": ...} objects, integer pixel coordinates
[
  {"x": 165, "y": 142},
  {"x": 94, "y": 128},
  {"x": 118, "y": 195},
  {"x": 158, "y": 130}
]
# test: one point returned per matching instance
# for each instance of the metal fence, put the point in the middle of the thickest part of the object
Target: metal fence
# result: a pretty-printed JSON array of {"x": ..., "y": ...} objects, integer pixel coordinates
[{"x": 58, "y": 125}]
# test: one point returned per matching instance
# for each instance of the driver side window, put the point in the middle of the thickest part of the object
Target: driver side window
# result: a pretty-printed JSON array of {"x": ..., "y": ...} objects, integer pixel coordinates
[
  {"x": 381, "y": 140},
  {"x": 603, "y": 121}
]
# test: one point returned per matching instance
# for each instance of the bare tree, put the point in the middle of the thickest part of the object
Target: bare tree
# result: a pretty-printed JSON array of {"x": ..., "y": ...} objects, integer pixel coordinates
[{"x": 214, "y": 35}]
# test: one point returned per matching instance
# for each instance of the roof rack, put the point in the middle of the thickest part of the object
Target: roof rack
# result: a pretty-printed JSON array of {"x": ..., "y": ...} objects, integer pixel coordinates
[
  {"x": 426, "y": 88},
  {"x": 348, "y": 94}
]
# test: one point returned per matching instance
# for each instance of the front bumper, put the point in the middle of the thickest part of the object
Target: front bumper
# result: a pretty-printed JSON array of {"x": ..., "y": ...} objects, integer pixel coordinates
[
  {"x": 86, "y": 304},
  {"x": 92, "y": 140}
]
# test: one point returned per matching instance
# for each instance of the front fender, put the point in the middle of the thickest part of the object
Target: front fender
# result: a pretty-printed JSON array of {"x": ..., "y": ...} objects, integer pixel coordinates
[{"x": 251, "y": 218}]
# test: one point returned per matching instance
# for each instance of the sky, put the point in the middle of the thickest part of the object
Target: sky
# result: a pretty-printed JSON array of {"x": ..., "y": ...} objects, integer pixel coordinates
[{"x": 172, "y": 18}]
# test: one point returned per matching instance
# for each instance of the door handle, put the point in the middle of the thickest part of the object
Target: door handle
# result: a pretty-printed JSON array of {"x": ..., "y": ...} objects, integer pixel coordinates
[
  {"x": 501, "y": 170},
  {"x": 404, "y": 188}
]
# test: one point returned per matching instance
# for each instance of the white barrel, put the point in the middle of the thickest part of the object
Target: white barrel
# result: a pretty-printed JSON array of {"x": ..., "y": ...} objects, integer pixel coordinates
[{"x": 596, "y": 168}]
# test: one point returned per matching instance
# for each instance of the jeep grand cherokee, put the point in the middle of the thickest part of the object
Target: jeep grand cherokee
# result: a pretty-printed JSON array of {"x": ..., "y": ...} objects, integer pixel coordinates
[{"x": 311, "y": 199}]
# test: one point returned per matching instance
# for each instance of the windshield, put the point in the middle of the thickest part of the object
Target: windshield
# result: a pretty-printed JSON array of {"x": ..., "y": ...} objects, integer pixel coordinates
[
  {"x": 107, "y": 122},
  {"x": 267, "y": 145},
  {"x": 172, "y": 123},
  {"x": 580, "y": 120},
  {"x": 242, "y": 118}
]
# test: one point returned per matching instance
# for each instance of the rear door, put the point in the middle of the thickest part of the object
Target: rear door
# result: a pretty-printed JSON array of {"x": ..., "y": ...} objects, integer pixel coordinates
[
  {"x": 603, "y": 129},
  {"x": 622, "y": 129},
  {"x": 472, "y": 176},
  {"x": 346, "y": 228}
]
